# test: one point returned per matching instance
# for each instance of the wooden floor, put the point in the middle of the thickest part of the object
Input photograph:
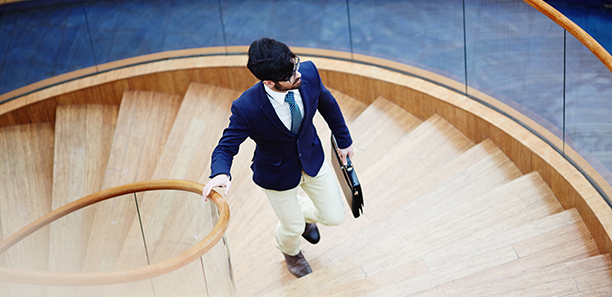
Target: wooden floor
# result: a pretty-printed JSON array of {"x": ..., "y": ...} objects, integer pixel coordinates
[{"x": 443, "y": 216}]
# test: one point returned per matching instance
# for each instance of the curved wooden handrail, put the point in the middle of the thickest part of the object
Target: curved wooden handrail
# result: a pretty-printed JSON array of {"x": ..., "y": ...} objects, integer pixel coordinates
[
  {"x": 582, "y": 36},
  {"x": 123, "y": 276}
]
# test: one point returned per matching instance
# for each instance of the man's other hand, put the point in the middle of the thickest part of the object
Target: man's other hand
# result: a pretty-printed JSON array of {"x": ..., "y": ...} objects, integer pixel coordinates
[
  {"x": 349, "y": 151},
  {"x": 221, "y": 180}
]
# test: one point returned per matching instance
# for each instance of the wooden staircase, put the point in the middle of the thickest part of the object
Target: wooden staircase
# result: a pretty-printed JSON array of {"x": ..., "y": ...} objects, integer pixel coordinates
[{"x": 443, "y": 216}]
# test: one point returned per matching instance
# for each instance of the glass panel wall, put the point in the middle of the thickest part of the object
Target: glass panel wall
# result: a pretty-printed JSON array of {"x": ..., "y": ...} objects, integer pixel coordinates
[
  {"x": 515, "y": 55},
  {"x": 313, "y": 24},
  {"x": 125, "y": 29},
  {"x": 424, "y": 34},
  {"x": 588, "y": 111},
  {"x": 49, "y": 38},
  {"x": 42, "y": 42}
]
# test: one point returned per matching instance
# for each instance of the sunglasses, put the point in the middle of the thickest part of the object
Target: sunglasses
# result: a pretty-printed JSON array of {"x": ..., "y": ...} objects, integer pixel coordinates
[{"x": 295, "y": 69}]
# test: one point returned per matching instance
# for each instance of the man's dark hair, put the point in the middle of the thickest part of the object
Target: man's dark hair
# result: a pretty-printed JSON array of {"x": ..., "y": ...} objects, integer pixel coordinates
[{"x": 270, "y": 60}]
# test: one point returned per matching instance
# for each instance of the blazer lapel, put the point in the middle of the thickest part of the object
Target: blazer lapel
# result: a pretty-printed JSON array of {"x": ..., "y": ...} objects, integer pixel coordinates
[{"x": 268, "y": 110}]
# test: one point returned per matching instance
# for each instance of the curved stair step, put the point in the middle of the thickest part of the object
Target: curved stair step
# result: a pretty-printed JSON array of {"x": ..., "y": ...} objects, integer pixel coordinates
[
  {"x": 594, "y": 284},
  {"x": 411, "y": 219},
  {"x": 174, "y": 221},
  {"x": 83, "y": 138},
  {"x": 472, "y": 221},
  {"x": 27, "y": 178},
  {"x": 351, "y": 110},
  {"x": 380, "y": 126},
  {"x": 392, "y": 249},
  {"x": 411, "y": 160},
  {"x": 450, "y": 168},
  {"x": 143, "y": 124},
  {"x": 381, "y": 196},
  {"x": 442, "y": 132},
  {"x": 552, "y": 280},
  {"x": 402, "y": 271},
  {"x": 526, "y": 240},
  {"x": 501, "y": 259},
  {"x": 351, "y": 107},
  {"x": 407, "y": 262},
  {"x": 429, "y": 179}
]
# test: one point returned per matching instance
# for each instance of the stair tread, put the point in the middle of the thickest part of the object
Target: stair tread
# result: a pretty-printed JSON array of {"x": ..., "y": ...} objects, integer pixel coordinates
[
  {"x": 503, "y": 260},
  {"x": 508, "y": 284},
  {"x": 426, "y": 175},
  {"x": 415, "y": 146},
  {"x": 567, "y": 252},
  {"x": 362, "y": 259},
  {"x": 594, "y": 280},
  {"x": 600, "y": 292},
  {"x": 478, "y": 218},
  {"x": 521, "y": 238},
  {"x": 559, "y": 287},
  {"x": 416, "y": 155},
  {"x": 456, "y": 234},
  {"x": 351, "y": 107},
  {"x": 474, "y": 181},
  {"x": 83, "y": 138},
  {"x": 381, "y": 238},
  {"x": 143, "y": 125},
  {"x": 436, "y": 125},
  {"x": 27, "y": 178},
  {"x": 382, "y": 115},
  {"x": 174, "y": 221}
]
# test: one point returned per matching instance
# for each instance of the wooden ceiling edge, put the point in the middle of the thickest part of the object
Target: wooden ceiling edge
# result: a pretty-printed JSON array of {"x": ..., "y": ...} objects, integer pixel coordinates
[{"x": 366, "y": 68}]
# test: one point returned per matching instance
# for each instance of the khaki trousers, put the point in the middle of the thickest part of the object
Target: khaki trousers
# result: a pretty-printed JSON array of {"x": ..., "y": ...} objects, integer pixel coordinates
[{"x": 323, "y": 205}]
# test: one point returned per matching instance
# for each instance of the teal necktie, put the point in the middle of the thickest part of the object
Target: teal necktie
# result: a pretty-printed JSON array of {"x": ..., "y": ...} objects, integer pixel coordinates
[{"x": 296, "y": 115}]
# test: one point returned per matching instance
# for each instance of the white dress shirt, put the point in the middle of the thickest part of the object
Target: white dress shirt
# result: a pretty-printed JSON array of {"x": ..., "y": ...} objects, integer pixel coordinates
[{"x": 281, "y": 107}]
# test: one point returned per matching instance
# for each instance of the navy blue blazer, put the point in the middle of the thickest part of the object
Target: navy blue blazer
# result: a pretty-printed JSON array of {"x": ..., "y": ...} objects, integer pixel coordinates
[{"x": 280, "y": 156}]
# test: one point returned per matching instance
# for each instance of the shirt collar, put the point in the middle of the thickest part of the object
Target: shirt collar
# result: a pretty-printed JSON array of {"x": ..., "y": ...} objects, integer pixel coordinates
[{"x": 276, "y": 96}]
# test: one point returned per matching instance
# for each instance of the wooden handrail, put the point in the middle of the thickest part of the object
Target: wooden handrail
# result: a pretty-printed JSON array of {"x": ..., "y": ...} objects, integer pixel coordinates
[
  {"x": 123, "y": 276},
  {"x": 582, "y": 36}
]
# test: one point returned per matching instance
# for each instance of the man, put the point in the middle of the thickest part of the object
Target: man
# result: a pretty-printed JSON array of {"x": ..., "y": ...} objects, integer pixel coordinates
[{"x": 277, "y": 114}]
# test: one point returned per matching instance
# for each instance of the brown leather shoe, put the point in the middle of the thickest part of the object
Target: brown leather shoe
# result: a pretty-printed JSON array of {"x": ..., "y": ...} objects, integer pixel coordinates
[
  {"x": 311, "y": 233},
  {"x": 297, "y": 265}
]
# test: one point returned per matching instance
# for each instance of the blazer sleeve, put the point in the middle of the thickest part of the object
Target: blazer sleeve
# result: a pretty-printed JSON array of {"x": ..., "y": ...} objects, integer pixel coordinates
[
  {"x": 329, "y": 109},
  {"x": 229, "y": 144}
]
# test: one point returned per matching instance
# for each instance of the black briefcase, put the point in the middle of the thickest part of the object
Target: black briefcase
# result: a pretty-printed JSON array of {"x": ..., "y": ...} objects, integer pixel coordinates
[{"x": 348, "y": 180}]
